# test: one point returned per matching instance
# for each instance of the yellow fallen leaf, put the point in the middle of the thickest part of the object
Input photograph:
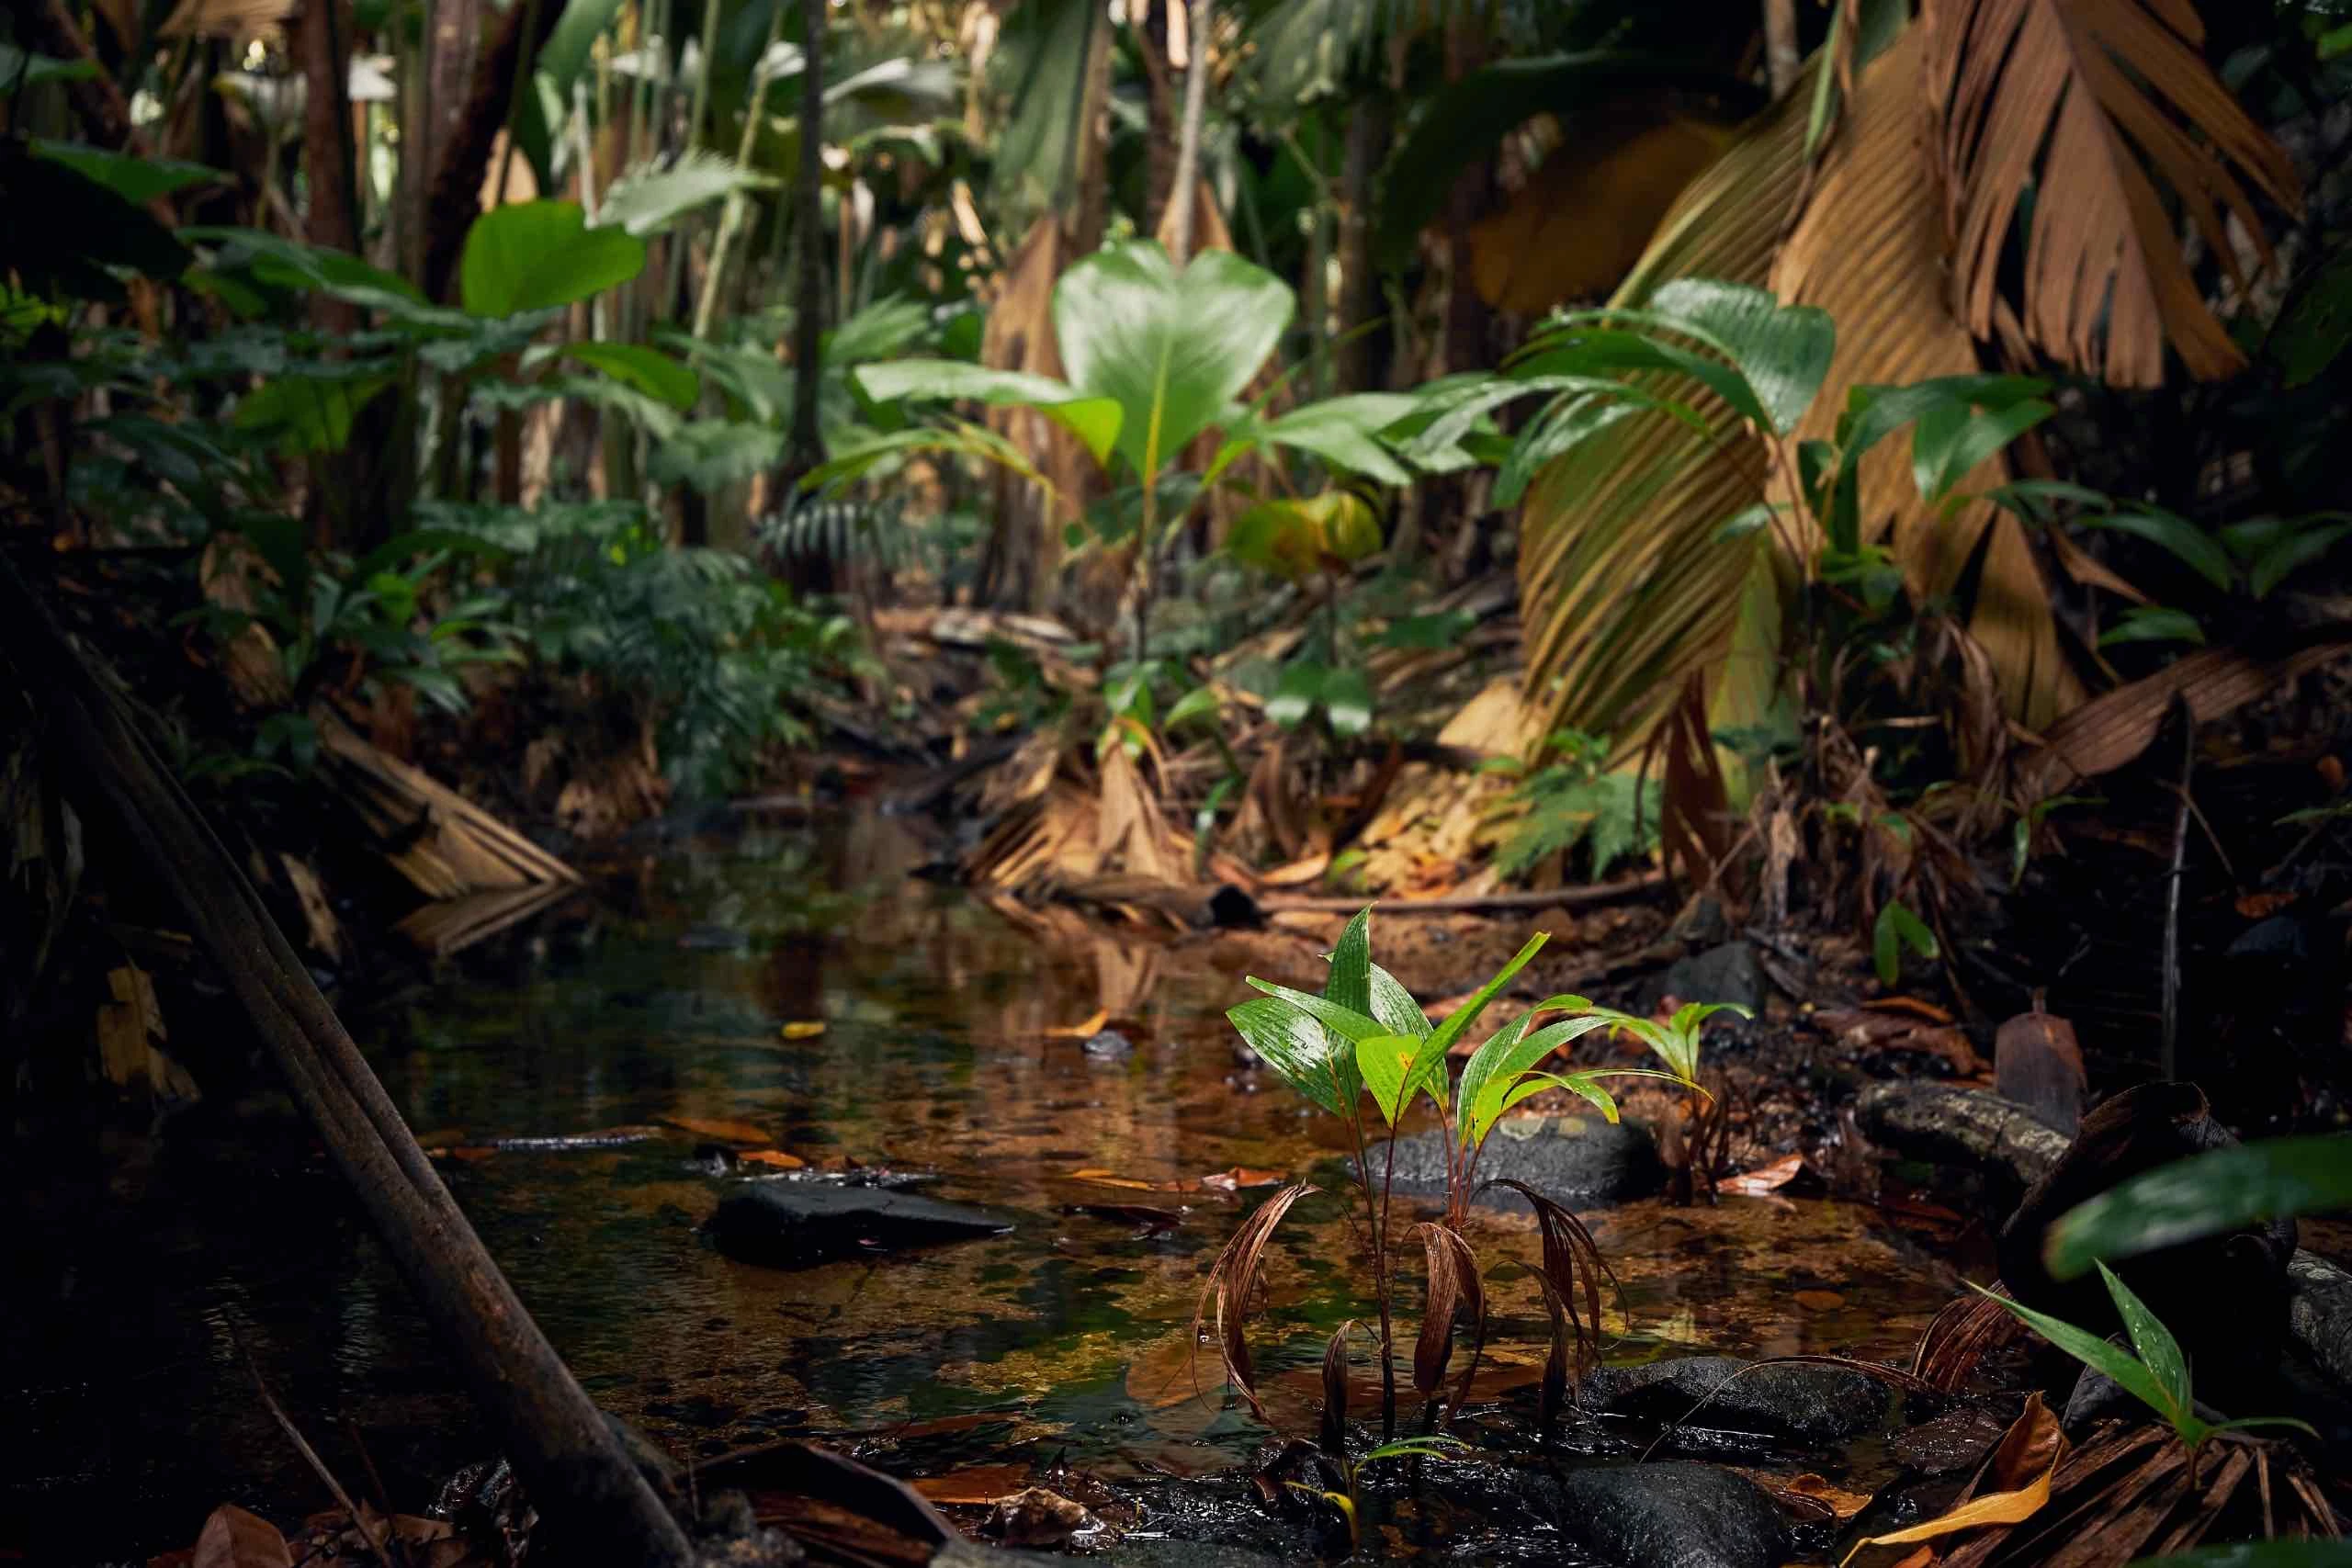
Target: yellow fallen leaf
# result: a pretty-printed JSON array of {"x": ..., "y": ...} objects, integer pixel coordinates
[
  {"x": 809, "y": 1031},
  {"x": 2034, "y": 1433},
  {"x": 1087, "y": 1030}
]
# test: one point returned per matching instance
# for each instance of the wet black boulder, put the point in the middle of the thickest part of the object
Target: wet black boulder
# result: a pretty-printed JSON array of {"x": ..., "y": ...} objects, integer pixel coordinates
[
  {"x": 793, "y": 1224},
  {"x": 1789, "y": 1401},
  {"x": 1576, "y": 1160},
  {"x": 1674, "y": 1515}
]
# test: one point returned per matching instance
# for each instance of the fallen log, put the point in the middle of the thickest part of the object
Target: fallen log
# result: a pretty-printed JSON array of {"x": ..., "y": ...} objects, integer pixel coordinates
[{"x": 596, "y": 1504}]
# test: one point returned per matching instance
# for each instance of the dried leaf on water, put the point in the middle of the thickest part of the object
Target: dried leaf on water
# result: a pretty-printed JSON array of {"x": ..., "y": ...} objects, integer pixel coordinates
[
  {"x": 1765, "y": 1179},
  {"x": 1085, "y": 1030},
  {"x": 1819, "y": 1301},
  {"x": 808, "y": 1030},
  {"x": 981, "y": 1486},
  {"x": 231, "y": 1538},
  {"x": 774, "y": 1158},
  {"x": 1233, "y": 1285},
  {"x": 2024, "y": 1464}
]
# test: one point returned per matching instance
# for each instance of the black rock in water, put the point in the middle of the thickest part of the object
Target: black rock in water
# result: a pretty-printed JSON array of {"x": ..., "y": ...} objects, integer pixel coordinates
[
  {"x": 1674, "y": 1515},
  {"x": 1576, "y": 1160},
  {"x": 1108, "y": 1045},
  {"x": 793, "y": 1224},
  {"x": 1784, "y": 1400}
]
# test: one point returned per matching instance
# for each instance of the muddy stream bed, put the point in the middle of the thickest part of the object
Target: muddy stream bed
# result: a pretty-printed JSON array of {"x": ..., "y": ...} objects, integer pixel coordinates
[{"x": 673, "y": 1011}]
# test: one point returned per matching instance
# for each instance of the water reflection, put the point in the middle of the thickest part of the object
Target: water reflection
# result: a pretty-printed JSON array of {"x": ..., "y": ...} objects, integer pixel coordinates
[{"x": 948, "y": 1047}]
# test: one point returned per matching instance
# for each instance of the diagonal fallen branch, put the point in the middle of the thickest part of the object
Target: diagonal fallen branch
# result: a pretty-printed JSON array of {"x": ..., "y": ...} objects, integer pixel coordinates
[{"x": 559, "y": 1442}]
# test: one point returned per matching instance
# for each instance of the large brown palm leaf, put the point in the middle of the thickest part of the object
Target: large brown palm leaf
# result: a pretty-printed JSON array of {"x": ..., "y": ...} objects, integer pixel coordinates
[{"x": 2092, "y": 105}]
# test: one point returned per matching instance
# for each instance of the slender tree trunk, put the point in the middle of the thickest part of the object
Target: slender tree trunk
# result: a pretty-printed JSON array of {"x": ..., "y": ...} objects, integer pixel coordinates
[
  {"x": 460, "y": 168},
  {"x": 806, "y": 449},
  {"x": 1187, "y": 136},
  {"x": 1161, "y": 113},
  {"x": 323, "y": 37},
  {"x": 1782, "y": 58},
  {"x": 1367, "y": 144}
]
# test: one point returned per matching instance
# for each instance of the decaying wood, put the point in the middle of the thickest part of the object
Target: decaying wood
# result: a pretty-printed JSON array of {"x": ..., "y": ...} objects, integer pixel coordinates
[
  {"x": 451, "y": 925},
  {"x": 558, "y": 1441},
  {"x": 442, "y": 844}
]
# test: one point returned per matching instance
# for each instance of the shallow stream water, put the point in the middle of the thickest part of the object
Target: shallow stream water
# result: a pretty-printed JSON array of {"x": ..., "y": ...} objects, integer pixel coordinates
[{"x": 659, "y": 1012}]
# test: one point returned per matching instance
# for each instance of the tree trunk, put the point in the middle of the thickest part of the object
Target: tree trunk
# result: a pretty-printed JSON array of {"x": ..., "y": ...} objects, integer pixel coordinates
[
  {"x": 323, "y": 41},
  {"x": 1782, "y": 58},
  {"x": 1188, "y": 137},
  {"x": 806, "y": 449},
  {"x": 462, "y": 166},
  {"x": 1354, "y": 364},
  {"x": 1161, "y": 114}
]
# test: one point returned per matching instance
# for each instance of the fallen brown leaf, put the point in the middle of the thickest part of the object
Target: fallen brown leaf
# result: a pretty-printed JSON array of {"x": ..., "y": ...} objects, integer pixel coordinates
[
  {"x": 1241, "y": 1176},
  {"x": 1765, "y": 1177},
  {"x": 232, "y": 1538},
  {"x": 1819, "y": 1301},
  {"x": 1087, "y": 1030},
  {"x": 978, "y": 1487},
  {"x": 2024, "y": 1462},
  {"x": 775, "y": 1157}
]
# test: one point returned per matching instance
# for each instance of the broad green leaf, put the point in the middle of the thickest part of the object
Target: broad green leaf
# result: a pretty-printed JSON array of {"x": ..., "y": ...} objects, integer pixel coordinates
[
  {"x": 647, "y": 201},
  {"x": 1346, "y": 699},
  {"x": 1393, "y": 1006},
  {"x": 308, "y": 413},
  {"x": 1384, "y": 1061},
  {"x": 1566, "y": 423},
  {"x": 135, "y": 179},
  {"x": 1508, "y": 1055},
  {"x": 2159, "y": 1351},
  {"x": 1351, "y": 1024},
  {"x": 2183, "y": 540},
  {"x": 1295, "y": 695},
  {"x": 20, "y": 68},
  {"x": 1428, "y": 1069},
  {"x": 1096, "y": 421},
  {"x": 2203, "y": 1196},
  {"x": 534, "y": 255},
  {"x": 2110, "y": 1361},
  {"x": 1297, "y": 539},
  {"x": 649, "y": 370},
  {"x": 2152, "y": 623},
  {"x": 1607, "y": 351},
  {"x": 1200, "y": 703},
  {"x": 2299, "y": 549},
  {"x": 1172, "y": 348},
  {"x": 1897, "y": 929},
  {"x": 1782, "y": 350},
  {"x": 1944, "y": 451},
  {"x": 1345, "y": 433},
  {"x": 1350, "y": 983},
  {"x": 289, "y": 264},
  {"x": 1294, "y": 1045}
]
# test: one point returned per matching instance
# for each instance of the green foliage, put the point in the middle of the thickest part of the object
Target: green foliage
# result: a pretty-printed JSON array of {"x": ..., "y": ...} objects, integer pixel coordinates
[
  {"x": 1898, "y": 928},
  {"x": 536, "y": 256},
  {"x": 2205, "y": 1195},
  {"x": 2154, "y": 1371},
  {"x": 1573, "y": 802},
  {"x": 721, "y": 659}
]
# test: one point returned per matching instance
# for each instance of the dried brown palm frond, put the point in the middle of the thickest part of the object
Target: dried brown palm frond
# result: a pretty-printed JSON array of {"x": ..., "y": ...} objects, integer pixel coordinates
[
  {"x": 2104, "y": 108},
  {"x": 1454, "y": 1285},
  {"x": 1231, "y": 1290},
  {"x": 1968, "y": 1330},
  {"x": 1870, "y": 251},
  {"x": 1571, "y": 1275},
  {"x": 2132, "y": 1492}
]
